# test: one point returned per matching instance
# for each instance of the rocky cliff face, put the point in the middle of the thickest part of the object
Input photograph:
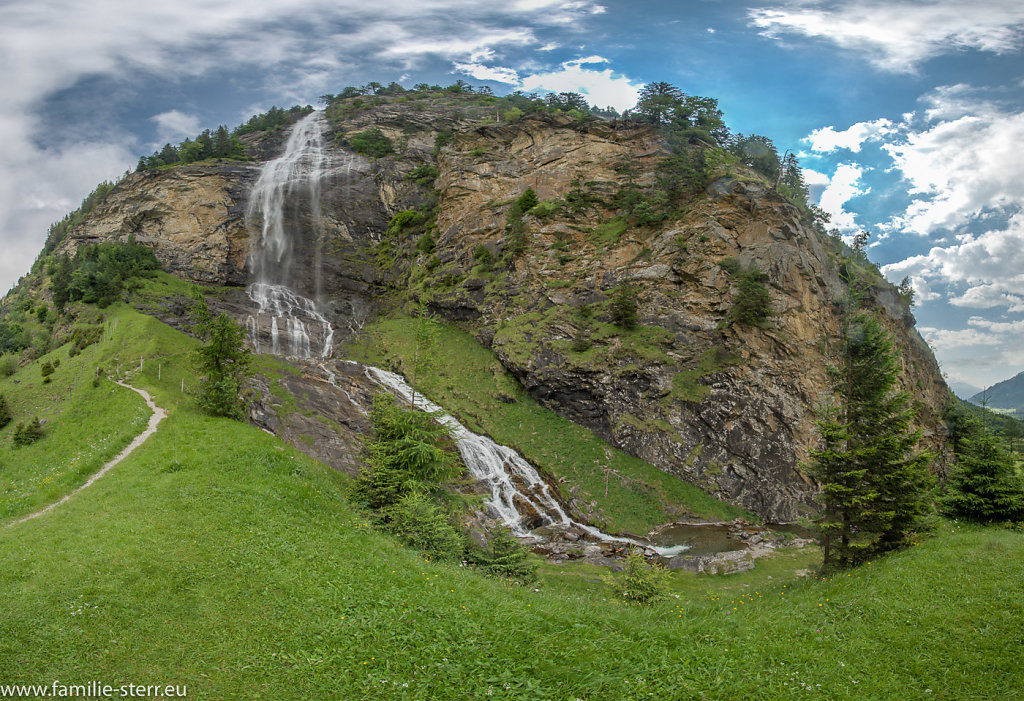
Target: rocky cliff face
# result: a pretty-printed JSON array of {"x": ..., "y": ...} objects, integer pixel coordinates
[{"x": 724, "y": 405}]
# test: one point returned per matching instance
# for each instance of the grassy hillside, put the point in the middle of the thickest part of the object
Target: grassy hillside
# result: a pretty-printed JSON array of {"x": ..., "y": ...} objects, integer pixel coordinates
[
  {"x": 218, "y": 558},
  {"x": 85, "y": 424},
  {"x": 468, "y": 381}
]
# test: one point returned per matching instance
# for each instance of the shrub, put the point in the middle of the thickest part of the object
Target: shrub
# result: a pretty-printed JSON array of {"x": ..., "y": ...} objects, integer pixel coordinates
[
  {"x": 404, "y": 220},
  {"x": 26, "y": 434},
  {"x": 482, "y": 255},
  {"x": 408, "y": 452},
  {"x": 423, "y": 175},
  {"x": 442, "y": 139},
  {"x": 425, "y": 244},
  {"x": 371, "y": 143},
  {"x": 611, "y": 231},
  {"x": 545, "y": 209},
  {"x": 513, "y": 115},
  {"x": 8, "y": 365},
  {"x": 753, "y": 303},
  {"x": 83, "y": 336},
  {"x": 527, "y": 201},
  {"x": 514, "y": 227},
  {"x": 5, "y": 412},
  {"x": 582, "y": 341},
  {"x": 417, "y": 521},
  {"x": 46, "y": 370}
]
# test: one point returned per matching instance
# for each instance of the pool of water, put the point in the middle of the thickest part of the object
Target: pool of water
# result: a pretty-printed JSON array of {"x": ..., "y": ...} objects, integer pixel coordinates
[{"x": 699, "y": 540}]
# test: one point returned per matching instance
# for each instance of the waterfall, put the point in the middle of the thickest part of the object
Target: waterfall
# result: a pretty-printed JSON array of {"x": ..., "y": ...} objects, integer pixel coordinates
[
  {"x": 284, "y": 209},
  {"x": 518, "y": 493}
]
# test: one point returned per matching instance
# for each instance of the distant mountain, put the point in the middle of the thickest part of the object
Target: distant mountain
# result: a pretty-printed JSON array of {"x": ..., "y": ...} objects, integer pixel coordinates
[
  {"x": 1008, "y": 394},
  {"x": 963, "y": 390}
]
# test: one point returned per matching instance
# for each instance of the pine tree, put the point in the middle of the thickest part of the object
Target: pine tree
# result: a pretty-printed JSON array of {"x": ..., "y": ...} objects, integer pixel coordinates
[
  {"x": 505, "y": 557},
  {"x": 984, "y": 486},
  {"x": 224, "y": 361},
  {"x": 527, "y": 201},
  {"x": 624, "y": 307},
  {"x": 875, "y": 485},
  {"x": 425, "y": 341},
  {"x": 657, "y": 102}
]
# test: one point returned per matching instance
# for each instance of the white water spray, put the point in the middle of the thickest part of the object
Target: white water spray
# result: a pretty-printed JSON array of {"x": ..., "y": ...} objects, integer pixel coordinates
[
  {"x": 287, "y": 183},
  {"x": 517, "y": 489}
]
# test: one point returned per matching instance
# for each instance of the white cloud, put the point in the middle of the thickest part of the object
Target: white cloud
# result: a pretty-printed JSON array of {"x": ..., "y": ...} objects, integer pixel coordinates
[
  {"x": 586, "y": 60},
  {"x": 945, "y": 339},
  {"x": 988, "y": 265},
  {"x": 175, "y": 125},
  {"x": 997, "y": 326},
  {"x": 813, "y": 177},
  {"x": 601, "y": 87},
  {"x": 840, "y": 189},
  {"x": 299, "y": 48},
  {"x": 827, "y": 139},
  {"x": 482, "y": 72},
  {"x": 963, "y": 162},
  {"x": 897, "y": 35}
]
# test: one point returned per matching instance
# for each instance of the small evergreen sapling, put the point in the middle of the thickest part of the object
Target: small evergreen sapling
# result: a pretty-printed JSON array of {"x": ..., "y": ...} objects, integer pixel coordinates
[
  {"x": 224, "y": 361},
  {"x": 644, "y": 582},
  {"x": 26, "y": 434},
  {"x": 5, "y": 412},
  {"x": 504, "y": 557},
  {"x": 624, "y": 307}
]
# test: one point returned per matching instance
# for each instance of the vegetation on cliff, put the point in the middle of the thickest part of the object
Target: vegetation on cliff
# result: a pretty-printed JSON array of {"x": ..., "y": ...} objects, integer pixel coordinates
[{"x": 222, "y": 143}]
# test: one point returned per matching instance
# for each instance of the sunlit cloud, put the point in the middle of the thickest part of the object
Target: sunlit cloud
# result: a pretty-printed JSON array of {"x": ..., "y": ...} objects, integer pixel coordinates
[
  {"x": 841, "y": 187},
  {"x": 899, "y": 35},
  {"x": 602, "y": 87}
]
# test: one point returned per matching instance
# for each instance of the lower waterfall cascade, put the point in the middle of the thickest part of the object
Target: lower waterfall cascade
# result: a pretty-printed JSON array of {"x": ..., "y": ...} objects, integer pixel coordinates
[{"x": 500, "y": 468}]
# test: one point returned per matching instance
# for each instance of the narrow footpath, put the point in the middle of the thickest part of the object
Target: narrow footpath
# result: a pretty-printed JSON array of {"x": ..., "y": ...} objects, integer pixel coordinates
[{"x": 158, "y": 415}]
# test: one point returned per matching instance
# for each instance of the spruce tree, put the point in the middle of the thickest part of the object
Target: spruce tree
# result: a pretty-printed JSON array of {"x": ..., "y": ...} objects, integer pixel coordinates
[
  {"x": 624, "y": 307},
  {"x": 225, "y": 362},
  {"x": 875, "y": 485},
  {"x": 984, "y": 486}
]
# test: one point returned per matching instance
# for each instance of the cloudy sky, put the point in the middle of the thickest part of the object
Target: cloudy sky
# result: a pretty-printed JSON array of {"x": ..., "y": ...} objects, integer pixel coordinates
[{"x": 907, "y": 114}]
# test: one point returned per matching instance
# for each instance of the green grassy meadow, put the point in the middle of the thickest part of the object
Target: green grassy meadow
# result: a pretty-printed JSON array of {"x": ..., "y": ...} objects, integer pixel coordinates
[{"x": 218, "y": 558}]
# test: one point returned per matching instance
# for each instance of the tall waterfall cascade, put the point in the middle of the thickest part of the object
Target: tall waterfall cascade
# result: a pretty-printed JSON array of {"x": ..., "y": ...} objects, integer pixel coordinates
[{"x": 284, "y": 208}]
